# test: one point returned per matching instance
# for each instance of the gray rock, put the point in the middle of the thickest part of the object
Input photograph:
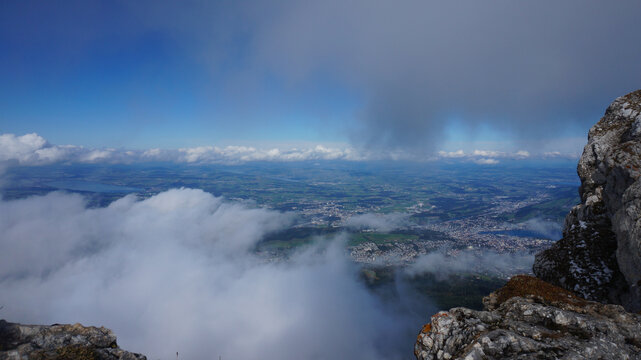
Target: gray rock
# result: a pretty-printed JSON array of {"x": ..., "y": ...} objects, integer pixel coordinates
[
  {"x": 541, "y": 322},
  {"x": 40, "y": 342},
  {"x": 599, "y": 256}
]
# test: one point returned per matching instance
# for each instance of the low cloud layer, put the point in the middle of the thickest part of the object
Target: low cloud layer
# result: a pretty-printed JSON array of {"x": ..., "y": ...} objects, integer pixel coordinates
[
  {"x": 174, "y": 273},
  {"x": 485, "y": 262},
  {"x": 484, "y": 157},
  {"x": 549, "y": 229},
  {"x": 33, "y": 149}
]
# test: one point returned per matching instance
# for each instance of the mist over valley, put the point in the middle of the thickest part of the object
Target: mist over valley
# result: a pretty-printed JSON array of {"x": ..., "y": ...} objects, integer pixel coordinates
[{"x": 205, "y": 254}]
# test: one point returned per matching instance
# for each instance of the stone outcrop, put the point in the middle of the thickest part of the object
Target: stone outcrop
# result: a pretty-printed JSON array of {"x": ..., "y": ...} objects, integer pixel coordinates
[
  {"x": 599, "y": 256},
  {"x": 60, "y": 342},
  {"x": 598, "y": 259},
  {"x": 531, "y": 319}
]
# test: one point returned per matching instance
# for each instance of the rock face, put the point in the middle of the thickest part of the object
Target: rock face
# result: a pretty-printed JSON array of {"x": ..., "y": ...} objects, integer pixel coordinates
[
  {"x": 599, "y": 256},
  {"x": 60, "y": 342},
  {"x": 531, "y": 319}
]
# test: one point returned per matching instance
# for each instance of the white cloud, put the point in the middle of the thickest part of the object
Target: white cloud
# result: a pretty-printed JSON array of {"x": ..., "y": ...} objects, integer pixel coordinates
[
  {"x": 175, "y": 273},
  {"x": 442, "y": 265},
  {"x": 97, "y": 155},
  {"x": 486, "y": 161},
  {"x": 549, "y": 229},
  {"x": 247, "y": 153},
  {"x": 32, "y": 149},
  {"x": 485, "y": 157},
  {"x": 559, "y": 155},
  {"x": 452, "y": 154},
  {"x": 487, "y": 153}
]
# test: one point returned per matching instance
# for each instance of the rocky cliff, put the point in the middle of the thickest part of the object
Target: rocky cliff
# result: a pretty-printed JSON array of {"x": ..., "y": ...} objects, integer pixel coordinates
[
  {"x": 598, "y": 259},
  {"x": 60, "y": 342},
  {"x": 599, "y": 256},
  {"x": 531, "y": 319}
]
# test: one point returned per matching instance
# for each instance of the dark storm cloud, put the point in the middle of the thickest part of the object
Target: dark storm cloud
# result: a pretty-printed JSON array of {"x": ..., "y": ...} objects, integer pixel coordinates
[{"x": 528, "y": 67}]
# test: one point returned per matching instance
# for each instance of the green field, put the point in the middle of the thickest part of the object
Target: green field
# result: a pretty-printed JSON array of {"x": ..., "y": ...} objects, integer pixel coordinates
[{"x": 455, "y": 191}]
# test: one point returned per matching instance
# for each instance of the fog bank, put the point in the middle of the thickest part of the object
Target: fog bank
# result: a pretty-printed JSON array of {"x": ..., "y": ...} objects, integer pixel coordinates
[{"x": 176, "y": 273}]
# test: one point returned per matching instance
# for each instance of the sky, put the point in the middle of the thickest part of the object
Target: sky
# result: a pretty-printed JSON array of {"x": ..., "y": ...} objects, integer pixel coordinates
[
  {"x": 236, "y": 81},
  {"x": 408, "y": 77}
]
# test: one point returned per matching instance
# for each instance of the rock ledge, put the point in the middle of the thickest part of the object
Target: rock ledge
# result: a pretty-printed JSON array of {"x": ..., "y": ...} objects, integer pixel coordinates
[
  {"x": 60, "y": 342},
  {"x": 531, "y": 319}
]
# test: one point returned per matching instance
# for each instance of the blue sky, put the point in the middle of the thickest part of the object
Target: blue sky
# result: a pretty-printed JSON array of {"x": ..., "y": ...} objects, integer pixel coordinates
[
  {"x": 108, "y": 81},
  {"x": 410, "y": 76}
]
